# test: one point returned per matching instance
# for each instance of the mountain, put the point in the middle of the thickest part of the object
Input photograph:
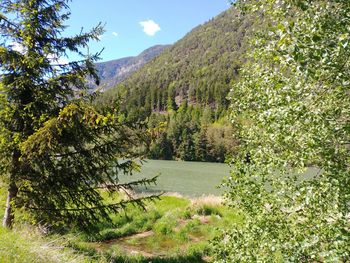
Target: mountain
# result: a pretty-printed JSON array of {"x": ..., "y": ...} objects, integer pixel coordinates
[
  {"x": 182, "y": 93},
  {"x": 115, "y": 71},
  {"x": 198, "y": 68}
]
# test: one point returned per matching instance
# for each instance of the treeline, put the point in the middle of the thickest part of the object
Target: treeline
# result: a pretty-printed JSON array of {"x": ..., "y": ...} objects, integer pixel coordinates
[
  {"x": 188, "y": 132},
  {"x": 191, "y": 134}
]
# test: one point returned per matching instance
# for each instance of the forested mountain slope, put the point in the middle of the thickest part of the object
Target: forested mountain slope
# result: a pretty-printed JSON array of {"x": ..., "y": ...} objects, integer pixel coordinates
[
  {"x": 199, "y": 67},
  {"x": 182, "y": 92}
]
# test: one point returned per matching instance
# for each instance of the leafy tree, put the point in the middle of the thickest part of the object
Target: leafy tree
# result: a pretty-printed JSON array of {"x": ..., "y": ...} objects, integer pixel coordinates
[
  {"x": 221, "y": 144},
  {"x": 57, "y": 150},
  {"x": 291, "y": 111}
]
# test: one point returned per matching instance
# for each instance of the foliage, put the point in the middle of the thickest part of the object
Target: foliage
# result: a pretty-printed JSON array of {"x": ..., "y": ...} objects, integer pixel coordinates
[
  {"x": 189, "y": 134},
  {"x": 57, "y": 150},
  {"x": 291, "y": 110}
]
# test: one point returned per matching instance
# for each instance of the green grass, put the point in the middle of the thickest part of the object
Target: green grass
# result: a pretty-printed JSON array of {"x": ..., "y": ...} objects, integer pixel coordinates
[
  {"x": 176, "y": 230},
  {"x": 15, "y": 249},
  {"x": 24, "y": 244},
  {"x": 190, "y": 179},
  {"x": 178, "y": 235}
]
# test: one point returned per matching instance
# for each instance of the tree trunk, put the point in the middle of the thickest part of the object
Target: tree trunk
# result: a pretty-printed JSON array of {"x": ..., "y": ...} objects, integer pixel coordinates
[
  {"x": 8, "y": 217},
  {"x": 12, "y": 191}
]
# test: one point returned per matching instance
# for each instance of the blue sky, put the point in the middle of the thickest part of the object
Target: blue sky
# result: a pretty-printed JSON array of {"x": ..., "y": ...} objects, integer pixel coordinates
[{"x": 133, "y": 26}]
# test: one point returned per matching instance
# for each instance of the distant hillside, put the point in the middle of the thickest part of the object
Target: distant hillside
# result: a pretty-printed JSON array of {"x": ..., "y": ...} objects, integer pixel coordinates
[
  {"x": 115, "y": 71},
  {"x": 198, "y": 67},
  {"x": 182, "y": 93}
]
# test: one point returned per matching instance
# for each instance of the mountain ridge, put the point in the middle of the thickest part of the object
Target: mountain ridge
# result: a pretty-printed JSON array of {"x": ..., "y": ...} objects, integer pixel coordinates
[
  {"x": 113, "y": 72},
  {"x": 199, "y": 67}
]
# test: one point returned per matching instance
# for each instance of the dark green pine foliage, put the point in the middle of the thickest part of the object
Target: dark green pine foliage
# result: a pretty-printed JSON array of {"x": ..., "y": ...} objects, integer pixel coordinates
[
  {"x": 199, "y": 70},
  {"x": 58, "y": 153}
]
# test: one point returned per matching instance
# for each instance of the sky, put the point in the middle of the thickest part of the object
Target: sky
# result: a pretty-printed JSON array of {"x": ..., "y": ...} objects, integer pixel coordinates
[{"x": 133, "y": 26}]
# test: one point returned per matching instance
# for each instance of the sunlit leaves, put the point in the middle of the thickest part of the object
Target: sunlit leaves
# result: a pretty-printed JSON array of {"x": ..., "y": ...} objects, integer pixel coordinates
[{"x": 291, "y": 109}]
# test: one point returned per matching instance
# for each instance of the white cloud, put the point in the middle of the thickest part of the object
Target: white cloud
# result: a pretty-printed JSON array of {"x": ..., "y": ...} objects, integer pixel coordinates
[
  {"x": 150, "y": 27},
  {"x": 62, "y": 61},
  {"x": 55, "y": 60},
  {"x": 52, "y": 57},
  {"x": 17, "y": 47},
  {"x": 115, "y": 34},
  {"x": 100, "y": 37}
]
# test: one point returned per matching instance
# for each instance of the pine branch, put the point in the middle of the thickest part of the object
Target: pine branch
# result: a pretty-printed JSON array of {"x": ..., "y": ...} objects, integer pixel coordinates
[
  {"x": 112, "y": 187},
  {"x": 4, "y": 18},
  {"x": 130, "y": 185},
  {"x": 115, "y": 206}
]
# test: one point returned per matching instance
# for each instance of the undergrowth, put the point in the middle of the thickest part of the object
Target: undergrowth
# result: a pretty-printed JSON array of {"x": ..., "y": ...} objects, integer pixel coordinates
[{"x": 177, "y": 230}]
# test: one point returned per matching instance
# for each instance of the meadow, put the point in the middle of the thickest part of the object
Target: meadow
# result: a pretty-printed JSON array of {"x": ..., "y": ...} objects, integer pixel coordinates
[
  {"x": 172, "y": 229},
  {"x": 176, "y": 228}
]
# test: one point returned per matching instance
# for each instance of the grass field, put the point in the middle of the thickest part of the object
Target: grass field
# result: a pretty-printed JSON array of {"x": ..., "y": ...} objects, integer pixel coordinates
[
  {"x": 191, "y": 179},
  {"x": 173, "y": 229}
]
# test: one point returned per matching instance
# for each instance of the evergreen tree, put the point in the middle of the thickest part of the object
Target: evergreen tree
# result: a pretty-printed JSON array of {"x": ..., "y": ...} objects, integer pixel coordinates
[
  {"x": 201, "y": 145},
  {"x": 57, "y": 151}
]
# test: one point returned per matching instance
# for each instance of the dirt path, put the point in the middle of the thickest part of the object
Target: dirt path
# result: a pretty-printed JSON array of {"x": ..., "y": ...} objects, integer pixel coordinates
[{"x": 138, "y": 235}]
